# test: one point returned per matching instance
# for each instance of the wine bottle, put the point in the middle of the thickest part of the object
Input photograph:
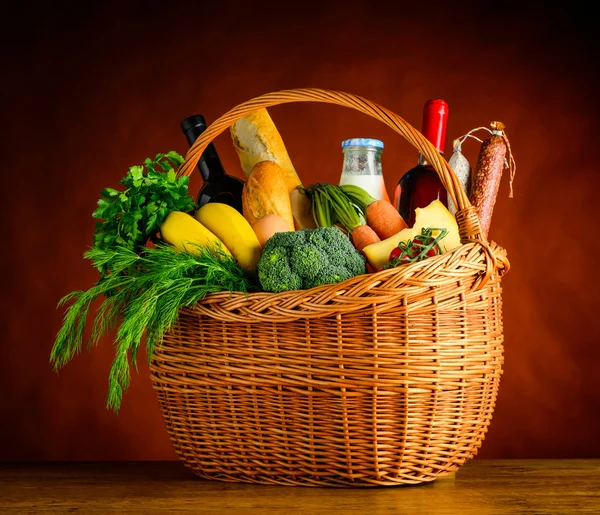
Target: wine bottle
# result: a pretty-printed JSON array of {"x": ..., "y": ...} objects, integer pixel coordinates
[
  {"x": 218, "y": 185},
  {"x": 421, "y": 185}
]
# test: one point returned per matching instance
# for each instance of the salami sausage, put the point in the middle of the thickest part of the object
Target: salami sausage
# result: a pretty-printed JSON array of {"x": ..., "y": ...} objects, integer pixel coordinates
[{"x": 488, "y": 172}]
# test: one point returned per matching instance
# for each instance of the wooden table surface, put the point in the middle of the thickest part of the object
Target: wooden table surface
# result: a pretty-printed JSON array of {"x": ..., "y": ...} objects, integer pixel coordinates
[{"x": 480, "y": 487}]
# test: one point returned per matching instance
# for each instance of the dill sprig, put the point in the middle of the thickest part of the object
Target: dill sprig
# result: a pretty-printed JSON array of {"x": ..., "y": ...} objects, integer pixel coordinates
[{"x": 143, "y": 302}]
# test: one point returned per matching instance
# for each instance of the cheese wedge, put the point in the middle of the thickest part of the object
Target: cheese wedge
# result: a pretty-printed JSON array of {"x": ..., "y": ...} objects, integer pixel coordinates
[{"x": 435, "y": 215}]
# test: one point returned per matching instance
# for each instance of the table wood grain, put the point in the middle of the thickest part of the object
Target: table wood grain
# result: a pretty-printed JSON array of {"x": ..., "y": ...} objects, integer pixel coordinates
[{"x": 482, "y": 487}]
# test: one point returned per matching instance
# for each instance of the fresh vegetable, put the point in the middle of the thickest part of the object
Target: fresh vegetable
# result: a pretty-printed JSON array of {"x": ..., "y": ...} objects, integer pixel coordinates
[
  {"x": 380, "y": 215},
  {"x": 143, "y": 303},
  {"x": 331, "y": 206},
  {"x": 362, "y": 236},
  {"x": 421, "y": 247},
  {"x": 308, "y": 258},
  {"x": 186, "y": 233},
  {"x": 233, "y": 230},
  {"x": 129, "y": 218},
  {"x": 145, "y": 286},
  {"x": 434, "y": 215},
  {"x": 267, "y": 226}
]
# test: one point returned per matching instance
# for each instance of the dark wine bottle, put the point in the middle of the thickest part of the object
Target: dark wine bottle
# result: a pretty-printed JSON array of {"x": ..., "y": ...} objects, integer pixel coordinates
[
  {"x": 218, "y": 185},
  {"x": 421, "y": 185}
]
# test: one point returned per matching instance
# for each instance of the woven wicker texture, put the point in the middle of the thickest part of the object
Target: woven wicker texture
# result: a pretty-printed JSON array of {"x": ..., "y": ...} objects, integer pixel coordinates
[{"x": 384, "y": 379}]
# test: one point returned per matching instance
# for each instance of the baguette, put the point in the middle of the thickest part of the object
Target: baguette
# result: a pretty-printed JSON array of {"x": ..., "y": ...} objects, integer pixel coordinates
[
  {"x": 255, "y": 139},
  {"x": 265, "y": 193}
]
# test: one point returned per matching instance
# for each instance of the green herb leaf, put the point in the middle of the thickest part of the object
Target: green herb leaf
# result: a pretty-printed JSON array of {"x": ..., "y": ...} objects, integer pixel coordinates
[
  {"x": 109, "y": 192},
  {"x": 143, "y": 288},
  {"x": 146, "y": 300},
  {"x": 133, "y": 216}
]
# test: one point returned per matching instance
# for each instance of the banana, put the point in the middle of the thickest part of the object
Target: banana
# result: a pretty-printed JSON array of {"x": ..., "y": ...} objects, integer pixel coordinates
[
  {"x": 233, "y": 230},
  {"x": 184, "y": 231}
]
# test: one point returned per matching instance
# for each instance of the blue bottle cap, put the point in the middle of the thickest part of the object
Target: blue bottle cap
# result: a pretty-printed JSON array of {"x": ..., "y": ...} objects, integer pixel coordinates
[{"x": 362, "y": 142}]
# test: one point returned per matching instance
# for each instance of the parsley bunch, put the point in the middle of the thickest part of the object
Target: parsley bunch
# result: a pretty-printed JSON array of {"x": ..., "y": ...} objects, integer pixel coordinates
[{"x": 129, "y": 218}]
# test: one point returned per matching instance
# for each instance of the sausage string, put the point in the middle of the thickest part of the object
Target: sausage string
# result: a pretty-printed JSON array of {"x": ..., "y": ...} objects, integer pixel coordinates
[{"x": 498, "y": 129}]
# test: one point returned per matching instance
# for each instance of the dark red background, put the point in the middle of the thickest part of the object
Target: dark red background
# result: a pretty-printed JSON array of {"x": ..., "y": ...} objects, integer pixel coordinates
[{"x": 91, "y": 90}]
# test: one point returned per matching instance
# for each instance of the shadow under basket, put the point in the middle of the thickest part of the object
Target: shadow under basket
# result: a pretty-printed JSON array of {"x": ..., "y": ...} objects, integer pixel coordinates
[{"x": 387, "y": 378}]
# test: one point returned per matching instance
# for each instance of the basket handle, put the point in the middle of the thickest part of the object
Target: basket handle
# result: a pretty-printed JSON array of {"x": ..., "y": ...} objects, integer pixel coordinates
[{"x": 466, "y": 216}]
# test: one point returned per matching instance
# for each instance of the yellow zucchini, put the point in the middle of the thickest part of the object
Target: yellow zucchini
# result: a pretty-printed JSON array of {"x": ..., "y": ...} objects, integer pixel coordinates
[
  {"x": 233, "y": 230},
  {"x": 186, "y": 233}
]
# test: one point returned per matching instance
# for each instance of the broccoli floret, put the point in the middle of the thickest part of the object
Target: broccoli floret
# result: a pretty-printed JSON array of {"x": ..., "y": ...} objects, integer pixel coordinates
[
  {"x": 287, "y": 239},
  {"x": 308, "y": 258},
  {"x": 354, "y": 262},
  {"x": 341, "y": 250},
  {"x": 274, "y": 271}
]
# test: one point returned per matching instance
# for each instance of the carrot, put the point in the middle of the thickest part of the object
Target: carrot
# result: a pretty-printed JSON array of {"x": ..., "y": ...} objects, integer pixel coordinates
[
  {"x": 383, "y": 218},
  {"x": 380, "y": 215},
  {"x": 363, "y": 235}
]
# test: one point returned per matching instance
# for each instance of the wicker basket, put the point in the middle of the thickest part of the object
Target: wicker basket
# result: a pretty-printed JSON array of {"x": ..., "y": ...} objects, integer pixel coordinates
[{"x": 384, "y": 379}]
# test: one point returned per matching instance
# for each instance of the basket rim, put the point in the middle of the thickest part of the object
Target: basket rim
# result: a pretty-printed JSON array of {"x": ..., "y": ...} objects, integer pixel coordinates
[{"x": 472, "y": 264}]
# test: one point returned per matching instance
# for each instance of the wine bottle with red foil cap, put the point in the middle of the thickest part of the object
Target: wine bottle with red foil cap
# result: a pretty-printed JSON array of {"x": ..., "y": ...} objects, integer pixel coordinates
[{"x": 421, "y": 185}]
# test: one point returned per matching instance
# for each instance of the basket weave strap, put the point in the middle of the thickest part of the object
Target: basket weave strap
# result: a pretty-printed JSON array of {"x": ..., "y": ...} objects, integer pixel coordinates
[{"x": 468, "y": 222}]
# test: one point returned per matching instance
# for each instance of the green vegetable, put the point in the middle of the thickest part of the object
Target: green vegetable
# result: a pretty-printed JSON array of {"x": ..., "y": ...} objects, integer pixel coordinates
[
  {"x": 358, "y": 196},
  {"x": 308, "y": 258},
  {"x": 131, "y": 217},
  {"x": 146, "y": 300},
  {"x": 330, "y": 205},
  {"x": 143, "y": 287}
]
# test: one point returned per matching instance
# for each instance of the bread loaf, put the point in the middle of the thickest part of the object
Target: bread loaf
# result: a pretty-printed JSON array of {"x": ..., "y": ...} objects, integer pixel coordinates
[
  {"x": 265, "y": 193},
  {"x": 256, "y": 139}
]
